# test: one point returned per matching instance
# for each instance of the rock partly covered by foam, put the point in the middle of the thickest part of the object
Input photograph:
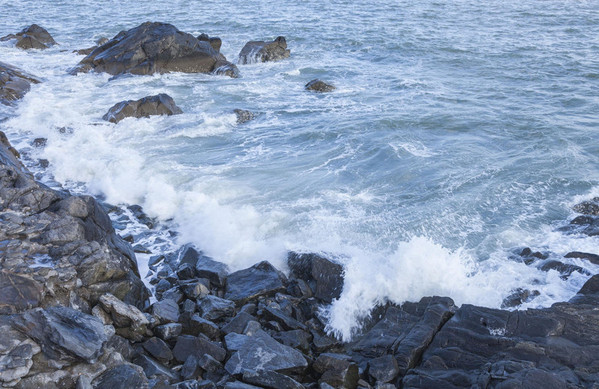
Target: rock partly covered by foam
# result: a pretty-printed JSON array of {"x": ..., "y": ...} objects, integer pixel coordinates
[
  {"x": 261, "y": 51},
  {"x": 317, "y": 85},
  {"x": 156, "y": 48},
  {"x": 32, "y": 37},
  {"x": 14, "y": 83},
  {"x": 161, "y": 104}
]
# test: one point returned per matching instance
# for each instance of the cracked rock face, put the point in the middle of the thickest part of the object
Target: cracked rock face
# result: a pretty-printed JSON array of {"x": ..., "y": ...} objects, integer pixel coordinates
[
  {"x": 156, "y": 48},
  {"x": 14, "y": 83}
]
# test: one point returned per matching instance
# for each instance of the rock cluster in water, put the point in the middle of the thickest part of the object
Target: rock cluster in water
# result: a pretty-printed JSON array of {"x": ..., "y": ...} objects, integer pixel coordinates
[
  {"x": 32, "y": 37},
  {"x": 14, "y": 83},
  {"x": 75, "y": 313}
]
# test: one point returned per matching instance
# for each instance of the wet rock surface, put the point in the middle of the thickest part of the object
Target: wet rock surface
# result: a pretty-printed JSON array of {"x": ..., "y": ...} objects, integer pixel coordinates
[
  {"x": 14, "y": 83},
  {"x": 32, "y": 37},
  {"x": 74, "y": 313},
  {"x": 155, "y": 48},
  {"x": 161, "y": 104},
  {"x": 317, "y": 85},
  {"x": 261, "y": 51}
]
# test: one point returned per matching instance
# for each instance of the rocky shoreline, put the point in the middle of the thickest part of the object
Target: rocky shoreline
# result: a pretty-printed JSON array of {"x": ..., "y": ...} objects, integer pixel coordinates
[{"x": 74, "y": 311}]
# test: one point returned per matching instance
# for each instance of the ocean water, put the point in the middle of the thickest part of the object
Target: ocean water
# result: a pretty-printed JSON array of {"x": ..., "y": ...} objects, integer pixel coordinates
[{"x": 459, "y": 132}]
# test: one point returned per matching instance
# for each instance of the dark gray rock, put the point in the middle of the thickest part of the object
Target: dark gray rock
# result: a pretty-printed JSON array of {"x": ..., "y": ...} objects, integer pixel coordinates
[
  {"x": 215, "y": 308},
  {"x": 589, "y": 207},
  {"x": 198, "y": 288},
  {"x": 154, "y": 48},
  {"x": 194, "y": 384},
  {"x": 14, "y": 84},
  {"x": 121, "y": 377},
  {"x": 185, "y": 272},
  {"x": 296, "y": 339},
  {"x": 239, "y": 385},
  {"x": 238, "y": 323},
  {"x": 317, "y": 85},
  {"x": 337, "y": 370},
  {"x": 593, "y": 258},
  {"x": 63, "y": 333},
  {"x": 191, "y": 345},
  {"x": 216, "y": 272},
  {"x": 287, "y": 322},
  {"x": 194, "y": 324},
  {"x": 153, "y": 368},
  {"x": 518, "y": 297},
  {"x": 243, "y": 115},
  {"x": 261, "y": 51},
  {"x": 161, "y": 104},
  {"x": 259, "y": 280},
  {"x": 32, "y": 37},
  {"x": 168, "y": 331},
  {"x": 383, "y": 369},
  {"x": 158, "y": 349},
  {"x": 564, "y": 269},
  {"x": 166, "y": 311},
  {"x": 190, "y": 369},
  {"x": 260, "y": 351},
  {"x": 270, "y": 379},
  {"x": 214, "y": 41},
  {"x": 18, "y": 293},
  {"x": 586, "y": 225},
  {"x": 324, "y": 276}
]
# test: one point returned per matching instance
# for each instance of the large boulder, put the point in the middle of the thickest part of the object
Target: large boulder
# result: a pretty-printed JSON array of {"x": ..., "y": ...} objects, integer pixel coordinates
[
  {"x": 14, "y": 83},
  {"x": 261, "y": 51},
  {"x": 259, "y": 280},
  {"x": 324, "y": 276},
  {"x": 32, "y": 37},
  {"x": 161, "y": 104},
  {"x": 156, "y": 48}
]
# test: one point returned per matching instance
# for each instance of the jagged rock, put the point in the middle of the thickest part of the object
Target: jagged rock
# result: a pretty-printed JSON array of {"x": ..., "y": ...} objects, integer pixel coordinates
[
  {"x": 325, "y": 275},
  {"x": 17, "y": 362},
  {"x": 260, "y": 51},
  {"x": 589, "y": 207},
  {"x": 168, "y": 331},
  {"x": 587, "y": 225},
  {"x": 238, "y": 323},
  {"x": 270, "y": 379},
  {"x": 287, "y": 322},
  {"x": 243, "y": 115},
  {"x": 158, "y": 349},
  {"x": 194, "y": 324},
  {"x": 337, "y": 370},
  {"x": 161, "y": 104},
  {"x": 154, "y": 48},
  {"x": 166, "y": 311},
  {"x": 214, "y": 41},
  {"x": 153, "y": 368},
  {"x": 190, "y": 369},
  {"x": 296, "y": 339},
  {"x": 215, "y": 308},
  {"x": 14, "y": 83},
  {"x": 564, "y": 269},
  {"x": 258, "y": 280},
  {"x": 32, "y": 37},
  {"x": 593, "y": 258},
  {"x": 518, "y": 297},
  {"x": 317, "y": 85},
  {"x": 260, "y": 351},
  {"x": 121, "y": 377},
  {"x": 124, "y": 315},
  {"x": 383, "y": 369},
  {"x": 213, "y": 369},
  {"x": 63, "y": 333},
  {"x": 195, "y": 289},
  {"x": 239, "y": 385},
  {"x": 206, "y": 267},
  {"x": 191, "y": 345}
]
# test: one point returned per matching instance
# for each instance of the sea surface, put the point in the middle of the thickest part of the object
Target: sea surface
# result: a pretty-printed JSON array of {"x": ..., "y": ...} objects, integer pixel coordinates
[{"x": 459, "y": 133}]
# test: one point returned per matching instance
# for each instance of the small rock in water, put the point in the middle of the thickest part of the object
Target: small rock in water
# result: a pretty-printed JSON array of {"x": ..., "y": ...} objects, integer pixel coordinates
[
  {"x": 243, "y": 116},
  {"x": 214, "y": 41},
  {"x": 317, "y": 85},
  {"x": 32, "y": 37},
  {"x": 593, "y": 258},
  {"x": 261, "y": 51},
  {"x": 161, "y": 104},
  {"x": 14, "y": 84},
  {"x": 518, "y": 297},
  {"x": 589, "y": 207}
]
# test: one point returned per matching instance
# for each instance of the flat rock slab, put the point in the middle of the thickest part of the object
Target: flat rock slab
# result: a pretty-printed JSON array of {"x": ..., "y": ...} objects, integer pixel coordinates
[
  {"x": 261, "y": 352},
  {"x": 155, "y": 48},
  {"x": 161, "y": 104},
  {"x": 258, "y": 280},
  {"x": 121, "y": 377},
  {"x": 18, "y": 293},
  {"x": 197, "y": 346},
  {"x": 14, "y": 83},
  {"x": 63, "y": 333},
  {"x": 261, "y": 51}
]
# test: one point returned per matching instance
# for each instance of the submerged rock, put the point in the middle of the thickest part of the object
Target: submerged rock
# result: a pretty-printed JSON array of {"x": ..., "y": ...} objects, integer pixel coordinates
[
  {"x": 261, "y": 51},
  {"x": 519, "y": 296},
  {"x": 243, "y": 115},
  {"x": 155, "y": 48},
  {"x": 32, "y": 37},
  {"x": 589, "y": 207},
  {"x": 14, "y": 83},
  {"x": 317, "y": 85},
  {"x": 161, "y": 104}
]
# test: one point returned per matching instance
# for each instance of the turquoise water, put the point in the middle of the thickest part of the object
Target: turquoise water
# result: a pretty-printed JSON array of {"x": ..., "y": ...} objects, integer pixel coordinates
[{"x": 458, "y": 132}]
